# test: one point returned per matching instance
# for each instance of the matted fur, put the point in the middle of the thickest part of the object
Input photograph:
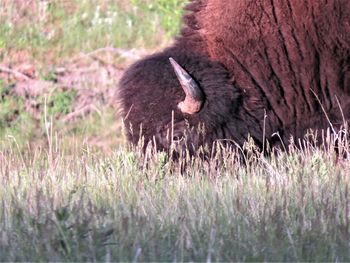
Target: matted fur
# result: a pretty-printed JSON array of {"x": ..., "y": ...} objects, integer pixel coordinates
[{"x": 265, "y": 66}]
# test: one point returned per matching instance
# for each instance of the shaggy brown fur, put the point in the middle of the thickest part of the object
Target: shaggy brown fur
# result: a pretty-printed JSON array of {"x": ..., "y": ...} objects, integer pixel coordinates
[{"x": 288, "y": 59}]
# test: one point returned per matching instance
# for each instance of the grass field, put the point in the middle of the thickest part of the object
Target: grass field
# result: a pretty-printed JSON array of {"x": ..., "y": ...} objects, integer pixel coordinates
[
  {"x": 82, "y": 205},
  {"x": 72, "y": 190}
]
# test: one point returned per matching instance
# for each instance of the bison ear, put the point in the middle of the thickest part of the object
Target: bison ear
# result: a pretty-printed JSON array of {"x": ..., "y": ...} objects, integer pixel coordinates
[{"x": 194, "y": 96}]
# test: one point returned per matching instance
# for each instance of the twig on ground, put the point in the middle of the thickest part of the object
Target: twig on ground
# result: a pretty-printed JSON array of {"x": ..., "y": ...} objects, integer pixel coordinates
[
  {"x": 15, "y": 73},
  {"x": 95, "y": 57},
  {"x": 122, "y": 52},
  {"x": 129, "y": 54},
  {"x": 80, "y": 112}
]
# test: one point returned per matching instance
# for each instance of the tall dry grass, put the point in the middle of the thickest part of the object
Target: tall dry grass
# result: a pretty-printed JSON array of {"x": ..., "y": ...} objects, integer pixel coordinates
[{"x": 81, "y": 205}]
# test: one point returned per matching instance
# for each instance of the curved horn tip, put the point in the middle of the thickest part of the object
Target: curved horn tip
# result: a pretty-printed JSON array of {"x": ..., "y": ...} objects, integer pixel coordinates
[{"x": 194, "y": 96}]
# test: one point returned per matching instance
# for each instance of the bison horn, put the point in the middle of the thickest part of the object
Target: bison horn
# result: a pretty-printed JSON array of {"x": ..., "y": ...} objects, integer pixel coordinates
[{"x": 194, "y": 96}]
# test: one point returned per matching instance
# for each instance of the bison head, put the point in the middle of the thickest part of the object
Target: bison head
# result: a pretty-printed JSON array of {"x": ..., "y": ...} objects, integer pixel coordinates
[{"x": 174, "y": 96}]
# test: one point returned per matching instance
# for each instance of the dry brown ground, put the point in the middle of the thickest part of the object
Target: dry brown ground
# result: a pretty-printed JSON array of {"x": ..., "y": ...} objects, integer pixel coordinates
[{"x": 94, "y": 76}]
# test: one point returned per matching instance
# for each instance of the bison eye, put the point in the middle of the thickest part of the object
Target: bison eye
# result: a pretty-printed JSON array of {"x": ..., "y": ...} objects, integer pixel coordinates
[
  {"x": 177, "y": 138},
  {"x": 194, "y": 96}
]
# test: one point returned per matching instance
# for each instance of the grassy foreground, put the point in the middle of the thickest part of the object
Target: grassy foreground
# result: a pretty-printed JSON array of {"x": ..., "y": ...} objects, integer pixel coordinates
[{"x": 84, "y": 206}]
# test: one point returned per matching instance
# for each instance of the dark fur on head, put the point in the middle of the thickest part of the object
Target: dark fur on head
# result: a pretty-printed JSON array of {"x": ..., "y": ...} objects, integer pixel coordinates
[{"x": 288, "y": 60}]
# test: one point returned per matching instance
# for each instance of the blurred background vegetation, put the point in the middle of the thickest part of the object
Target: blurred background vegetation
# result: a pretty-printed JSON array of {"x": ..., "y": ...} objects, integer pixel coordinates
[
  {"x": 49, "y": 31},
  {"x": 60, "y": 62}
]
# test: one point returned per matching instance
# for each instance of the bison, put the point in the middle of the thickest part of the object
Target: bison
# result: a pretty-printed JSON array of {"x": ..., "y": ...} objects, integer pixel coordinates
[{"x": 243, "y": 68}]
